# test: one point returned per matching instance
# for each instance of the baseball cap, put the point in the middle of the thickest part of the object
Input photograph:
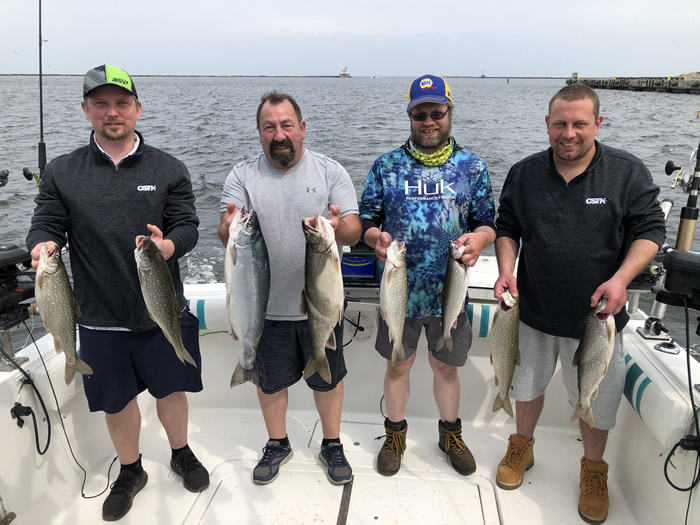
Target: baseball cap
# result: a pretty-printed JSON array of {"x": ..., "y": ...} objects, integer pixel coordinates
[
  {"x": 106, "y": 74},
  {"x": 428, "y": 88}
]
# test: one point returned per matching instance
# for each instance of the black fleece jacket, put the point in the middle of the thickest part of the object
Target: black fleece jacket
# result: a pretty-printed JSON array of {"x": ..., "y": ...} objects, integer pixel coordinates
[
  {"x": 100, "y": 208},
  {"x": 575, "y": 236}
]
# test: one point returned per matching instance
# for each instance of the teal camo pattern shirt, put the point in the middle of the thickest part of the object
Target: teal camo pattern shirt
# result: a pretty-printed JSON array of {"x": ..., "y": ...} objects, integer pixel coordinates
[{"x": 427, "y": 207}]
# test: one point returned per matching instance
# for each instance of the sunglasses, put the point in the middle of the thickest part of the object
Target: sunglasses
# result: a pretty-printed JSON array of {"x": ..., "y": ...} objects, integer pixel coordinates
[{"x": 435, "y": 115}]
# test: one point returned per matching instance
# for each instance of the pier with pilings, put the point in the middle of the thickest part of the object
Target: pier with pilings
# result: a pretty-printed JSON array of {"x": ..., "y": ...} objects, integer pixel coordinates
[{"x": 670, "y": 84}]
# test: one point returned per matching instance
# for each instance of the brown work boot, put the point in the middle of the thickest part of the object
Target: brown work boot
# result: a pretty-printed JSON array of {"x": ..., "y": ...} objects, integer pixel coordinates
[
  {"x": 593, "y": 502},
  {"x": 389, "y": 457},
  {"x": 519, "y": 458},
  {"x": 455, "y": 449}
]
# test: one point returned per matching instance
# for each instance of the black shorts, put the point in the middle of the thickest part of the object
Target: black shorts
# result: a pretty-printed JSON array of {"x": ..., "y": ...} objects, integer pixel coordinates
[
  {"x": 461, "y": 338},
  {"x": 126, "y": 363},
  {"x": 284, "y": 349}
]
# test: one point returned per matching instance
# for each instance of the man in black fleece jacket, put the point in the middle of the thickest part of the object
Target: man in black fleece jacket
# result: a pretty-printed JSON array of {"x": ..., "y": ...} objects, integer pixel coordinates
[
  {"x": 99, "y": 198},
  {"x": 586, "y": 220}
]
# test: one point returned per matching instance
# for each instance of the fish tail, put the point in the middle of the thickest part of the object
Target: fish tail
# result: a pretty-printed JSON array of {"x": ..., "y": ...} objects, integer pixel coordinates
[
  {"x": 497, "y": 403},
  {"x": 69, "y": 373},
  {"x": 184, "y": 355},
  {"x": 398, "y": 354},
  {"x": 585, "y": 413},
  {"x": 507, "y": 406},
  {"x": 241, "y": 375},
  {"x": 82, "y": 367},
  {"x": 442, "y": 343},
  {"x": 318, "y": 365}
]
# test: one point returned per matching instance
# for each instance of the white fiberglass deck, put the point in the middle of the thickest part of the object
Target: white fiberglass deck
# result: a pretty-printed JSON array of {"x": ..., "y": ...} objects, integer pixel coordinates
[{"x": 426, "y": 490}]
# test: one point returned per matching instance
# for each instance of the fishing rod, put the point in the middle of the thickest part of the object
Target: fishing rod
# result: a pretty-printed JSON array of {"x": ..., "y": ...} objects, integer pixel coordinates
[{"x": 41, "y": 161}]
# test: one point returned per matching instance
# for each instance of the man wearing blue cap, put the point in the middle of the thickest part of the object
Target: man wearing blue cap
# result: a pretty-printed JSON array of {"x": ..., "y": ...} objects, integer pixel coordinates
[
  {"x": 118, "y": 180},
  {"x": 427, "y": 193}
]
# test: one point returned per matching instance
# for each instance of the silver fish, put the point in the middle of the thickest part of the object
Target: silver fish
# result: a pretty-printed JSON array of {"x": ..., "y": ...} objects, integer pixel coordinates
[
  {"x": 453, "y": 296},
  {"x": 323, "y": 296},
  {"x": 393, "y": 296},
  {"x": 592, "y": 358},
  {"x": 159, "y": 293},
  {"x": 58, "y": 309},
  {"x": 505, "y": 349},
  {"x": 247, "y": 276}
]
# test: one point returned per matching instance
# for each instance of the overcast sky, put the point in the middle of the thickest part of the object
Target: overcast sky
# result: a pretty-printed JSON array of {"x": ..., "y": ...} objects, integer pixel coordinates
[{"x": 370, "y": 37}]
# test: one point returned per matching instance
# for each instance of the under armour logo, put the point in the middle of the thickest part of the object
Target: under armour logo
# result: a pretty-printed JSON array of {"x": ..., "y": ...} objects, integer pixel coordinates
[{"x": 310, "y": 190}]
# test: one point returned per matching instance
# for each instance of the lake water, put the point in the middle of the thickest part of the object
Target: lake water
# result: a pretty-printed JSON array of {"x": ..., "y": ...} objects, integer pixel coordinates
[{"x": 209, "y": 124}]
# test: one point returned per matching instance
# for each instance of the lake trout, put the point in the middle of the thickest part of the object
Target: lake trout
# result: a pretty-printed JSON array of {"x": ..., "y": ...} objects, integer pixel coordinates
[
  {"x": 322, "y": 297},
  {"x": 505, "y": 349},
  {"x": 453, "y": 295},
  {"x": 159, "y": 293},
  {"x": 58, "y": 309},
  {"x": 592, "y": 358},
  {"x": 247, "y": 276},
  {"x": 393, "y": 296}
]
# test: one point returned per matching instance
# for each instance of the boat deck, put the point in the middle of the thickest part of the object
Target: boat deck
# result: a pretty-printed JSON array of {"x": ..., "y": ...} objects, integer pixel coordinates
[{"x": 426, "y": 490}]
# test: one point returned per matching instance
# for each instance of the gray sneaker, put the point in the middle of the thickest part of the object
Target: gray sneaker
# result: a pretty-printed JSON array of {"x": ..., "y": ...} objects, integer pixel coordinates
[
  {"x": 339, "y": 470},
  {"x": 268, "y": 468}
]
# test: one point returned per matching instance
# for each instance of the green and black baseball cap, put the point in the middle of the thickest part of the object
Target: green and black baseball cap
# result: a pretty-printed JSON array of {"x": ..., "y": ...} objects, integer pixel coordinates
[{"x": 104, "y": 75}]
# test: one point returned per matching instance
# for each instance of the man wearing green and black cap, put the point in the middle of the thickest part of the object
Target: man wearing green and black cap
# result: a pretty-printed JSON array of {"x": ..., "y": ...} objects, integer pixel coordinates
[
  {"x": 99, "y": 198},
  {"x": 426, "y": 193}
]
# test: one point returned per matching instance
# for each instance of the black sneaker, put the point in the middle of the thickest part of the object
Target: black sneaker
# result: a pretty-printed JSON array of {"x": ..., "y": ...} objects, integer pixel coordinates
[
  {"x": 195, "y": 477},
  {"x": 339, "y": 470},
  {"x": 126, "y": 486},
  {"x": 268, "y": 468}
]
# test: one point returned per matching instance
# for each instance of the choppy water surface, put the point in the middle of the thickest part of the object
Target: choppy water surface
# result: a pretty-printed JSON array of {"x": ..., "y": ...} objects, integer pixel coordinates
[{"x": 209, "y": 123}]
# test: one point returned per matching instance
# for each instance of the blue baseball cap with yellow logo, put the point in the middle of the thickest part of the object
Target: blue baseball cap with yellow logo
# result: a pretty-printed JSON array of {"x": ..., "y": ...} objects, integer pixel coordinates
[
  {"x": 428, "y": 88},
  {"x": 105, "y": 75}
]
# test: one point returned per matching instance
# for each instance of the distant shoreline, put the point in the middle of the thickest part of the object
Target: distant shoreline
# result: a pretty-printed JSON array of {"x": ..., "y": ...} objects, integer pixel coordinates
[{"x": 277, "y": 76}]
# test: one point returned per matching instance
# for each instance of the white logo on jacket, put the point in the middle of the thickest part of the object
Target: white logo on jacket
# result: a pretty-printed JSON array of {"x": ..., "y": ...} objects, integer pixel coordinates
[
  {"x": 596, "y": 200},
  {"x": 147, "y": 187}
]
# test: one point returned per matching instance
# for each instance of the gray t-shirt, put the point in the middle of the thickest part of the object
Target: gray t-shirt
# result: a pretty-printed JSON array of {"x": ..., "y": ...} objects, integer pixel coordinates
[{"x": 281, "y": 200}]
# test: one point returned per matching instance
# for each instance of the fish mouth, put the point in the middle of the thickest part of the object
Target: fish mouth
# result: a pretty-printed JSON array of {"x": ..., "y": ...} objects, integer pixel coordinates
[
  {"x": 602, "y": 316},
  {"x": 505, "y": 307}
]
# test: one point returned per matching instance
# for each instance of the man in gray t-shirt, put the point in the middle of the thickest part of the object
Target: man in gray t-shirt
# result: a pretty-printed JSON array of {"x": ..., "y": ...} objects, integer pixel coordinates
[{"x": 285, "y": 184}]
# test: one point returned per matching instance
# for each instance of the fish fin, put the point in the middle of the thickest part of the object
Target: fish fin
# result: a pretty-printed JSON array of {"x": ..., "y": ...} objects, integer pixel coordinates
[
  {"x": 497, "y": 403},
  {"x": 241, "y": 375},
  {"x": 398, "y": 354},
  {"x": 504, "y": 404},
  {"x": 318, "y": 365},
  {"x": 233, "y": 255},
  {"x": 302, "y": 305},
  {"x": 336, "y": 262},
  {"x": 440, "y": 344},
  {"x": 82, "y": 367},
  {"x": 448, "y": 343},
  {"x": 388, "y": 277},
  {"x": 69, "y": 373},
  {"x": 611, "y": 332},
  {"x": 588, "y": 417},
  {"x": 578, "y": 410},
  {"x": 507, "y": 406},
  {"x": 391, "y": 333},
  {"x": 188, "y": 358},
  {"x": 39, "y": 280},
  {"x": 57, "y": 346},
  {"x": 382, "y": 313},
  {"x": 330, "y": 342},
  {"x": 594, "y": 393}
]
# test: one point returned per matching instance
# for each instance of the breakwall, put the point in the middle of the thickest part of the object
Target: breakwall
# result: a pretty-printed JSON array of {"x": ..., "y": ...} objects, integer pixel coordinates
[{"x": 663, "y": 84}]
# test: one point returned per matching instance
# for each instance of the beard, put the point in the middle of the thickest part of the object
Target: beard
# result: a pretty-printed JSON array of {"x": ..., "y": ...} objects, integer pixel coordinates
[
  {"x": 443, "y": 134},
  {"x": 118, "y": 134},
  {"x": 283, "y": 158}
]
